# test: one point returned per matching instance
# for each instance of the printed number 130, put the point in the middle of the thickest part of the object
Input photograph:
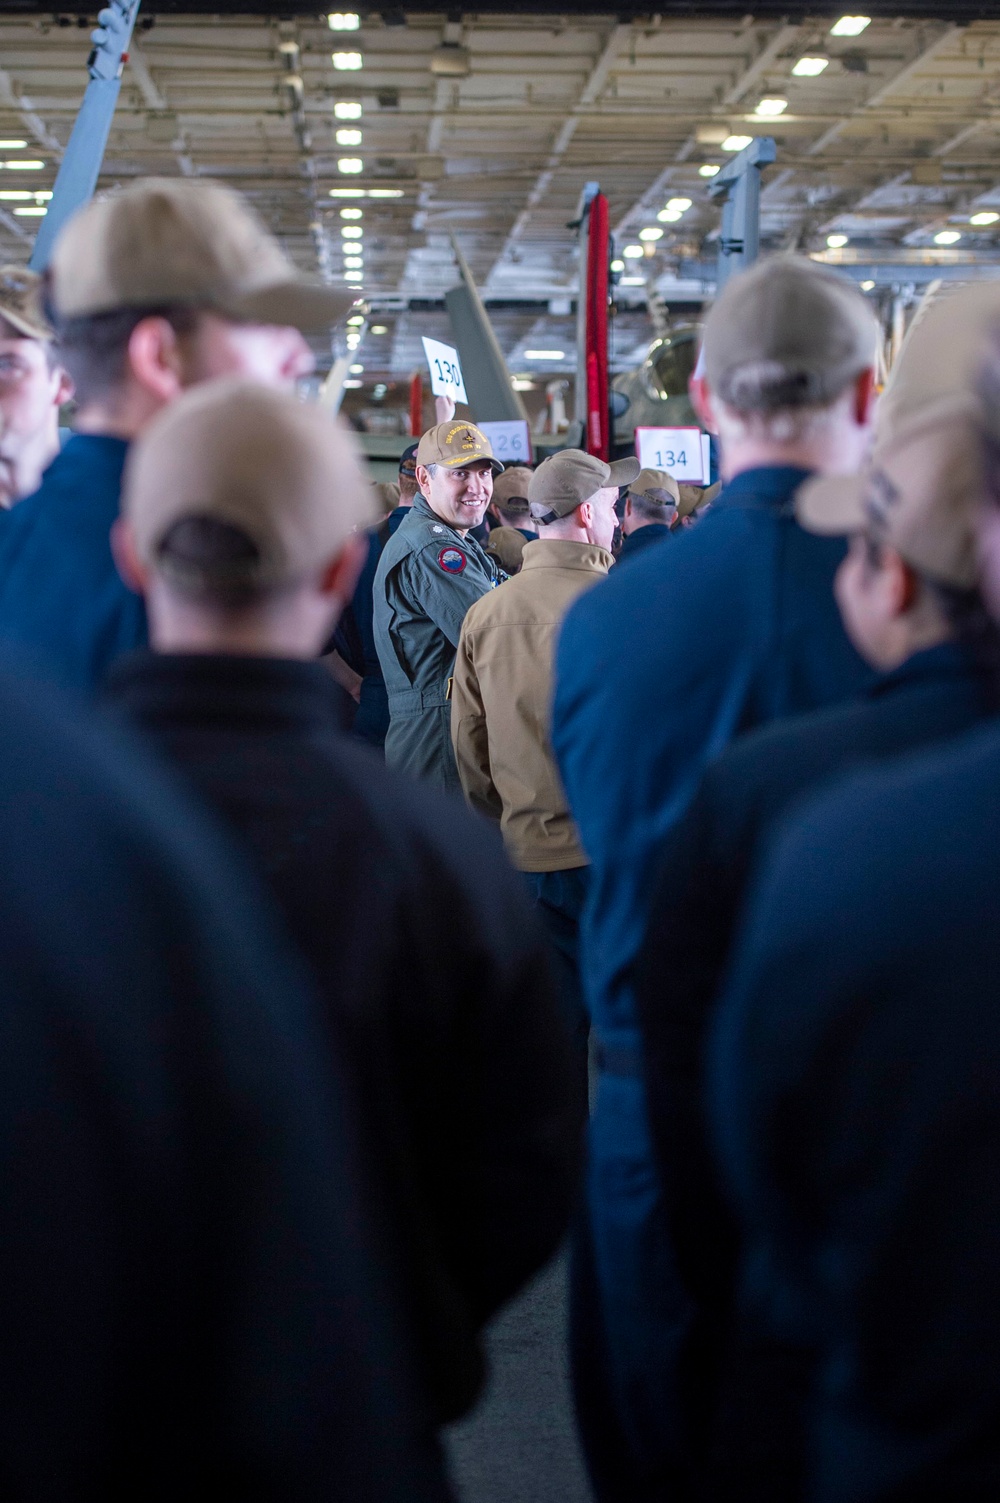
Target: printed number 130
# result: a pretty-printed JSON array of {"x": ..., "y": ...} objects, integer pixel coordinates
[{"x": 447, "y": 372}]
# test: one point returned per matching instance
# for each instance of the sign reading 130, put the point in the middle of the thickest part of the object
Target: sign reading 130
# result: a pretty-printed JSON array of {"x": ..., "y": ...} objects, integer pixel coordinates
[
  {"x": 681, "y": 451},
  {"x": 446, "y": 370}
]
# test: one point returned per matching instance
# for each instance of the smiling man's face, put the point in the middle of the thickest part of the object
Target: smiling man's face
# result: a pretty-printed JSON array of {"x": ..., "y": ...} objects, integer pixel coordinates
[{"x": 459, "y": 496}]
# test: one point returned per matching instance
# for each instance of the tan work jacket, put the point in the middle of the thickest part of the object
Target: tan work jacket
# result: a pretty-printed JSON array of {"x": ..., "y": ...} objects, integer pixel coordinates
[{"x": 501, "y": 702}]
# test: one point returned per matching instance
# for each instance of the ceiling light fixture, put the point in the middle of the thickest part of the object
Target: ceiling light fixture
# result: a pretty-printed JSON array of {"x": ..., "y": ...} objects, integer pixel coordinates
[
  {"x": 353, "y": 385},
  {"x": 836, "y": 242},
  {"x": 544, "y": 355},
  {"x": 347, "y": 192},
  {"x": 943, "y": 237},
  {"x": 349, "y": 138},
  {"x": 352, "y": 276},
  {"x": 650, "y": 234},
  {"x": 987, "y": 216},
  {"x": 810, "y": 67},
  {"x": 736, "y": 143},
  {"x": 522, "y": 383},
  {"x": 385, "y": 193},
  {"x": 343, "y": 21},
  {"x": 350, "y": 164},
  {"x": 356, "y": 370},
  {"x": 15, "y": 195},
  {"x": 709, "y": 169},
  {"x": 348, "y": 62},
  {"x": 35, "y": 210},
  {"x": 12, "y": 145},
  {"x": 867, "y": 286},
  {"x": 615, "y": 265},
  {"x": 25, "y": 166},
  {"x": 379, "y": 329},
  {"x": 353, "y": 263},
  {"x": 352, "y": 213},
  {"x": 348, "y": 109},
  {"x": 631, "y": 251},
  {"x": 632, "y": 282},
  {"x": 355, "y": 321},
  {"x": 669, "y": 216},
  {"x": 770, "y": 109},
  {"x": 351, "y": 232},
  {"x": 680, "y": 204},
  {"x": 850, "y": 26}
]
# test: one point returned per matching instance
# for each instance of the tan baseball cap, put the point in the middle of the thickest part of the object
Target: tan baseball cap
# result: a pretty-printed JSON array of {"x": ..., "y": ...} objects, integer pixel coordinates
[
  {"x": 922, "y": 487},
  {"x": 512, "y": 487},
  {"x": 658, "y": 486},
  {"x": 567, "y": 479},
  {"x": 455, "y": 444},
  {"x": 20, "y": 302},
  {"x": 286, "y": 473},
  {"x": 165, "y": 240},
  {"x": 796, "y": 316}
]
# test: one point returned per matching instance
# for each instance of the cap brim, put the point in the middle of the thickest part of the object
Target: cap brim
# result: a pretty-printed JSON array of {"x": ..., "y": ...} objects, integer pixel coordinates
[
  {"x": 23, "y": 327},
  {"x": 307, "y": 306},
  {"x": 624, "y": 471},
  {"x": 831, "y": 505},
  {"x": 460, "y": 460}
]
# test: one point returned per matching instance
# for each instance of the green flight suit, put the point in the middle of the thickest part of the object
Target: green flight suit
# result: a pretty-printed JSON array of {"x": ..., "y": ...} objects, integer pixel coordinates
[{"x": 427, "y": 578}]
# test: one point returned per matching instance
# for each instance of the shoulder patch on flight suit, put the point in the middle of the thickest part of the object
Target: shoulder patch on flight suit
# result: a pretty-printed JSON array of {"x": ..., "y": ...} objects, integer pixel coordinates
[{"x": 452, "y": 560}]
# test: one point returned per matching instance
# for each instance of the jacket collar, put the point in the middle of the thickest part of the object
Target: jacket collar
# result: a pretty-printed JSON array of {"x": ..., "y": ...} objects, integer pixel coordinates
[
  {"x": 948, "y": 660},
  {"x": 766, "y": 488},
  {"x": 199, "y": 688},
  {"x": 564, "y": 553},
  {"x": 100, "y": 452}
]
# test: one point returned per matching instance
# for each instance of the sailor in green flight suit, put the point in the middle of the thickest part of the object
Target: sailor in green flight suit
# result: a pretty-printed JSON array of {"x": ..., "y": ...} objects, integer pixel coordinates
[{"x": 430, "y": 572}]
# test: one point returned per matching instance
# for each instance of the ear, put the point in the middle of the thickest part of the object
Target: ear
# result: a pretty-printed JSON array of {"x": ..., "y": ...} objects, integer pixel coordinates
[
  {"x": 865, "y": 397},
  {"x": 154, "y": 358},
  {"x": 902, "y": 583},
  {"x": 422, "y": 478},
  {"x": 341, "y": 574},
  {"x": 127, "y": 561},
  {"x": 64, "y": 386},
  {"x": 701, "y": 401},
  {"x": 628, "y": 506}
]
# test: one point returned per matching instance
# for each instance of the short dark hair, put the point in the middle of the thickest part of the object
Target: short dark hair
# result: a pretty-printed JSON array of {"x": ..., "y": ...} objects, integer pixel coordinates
[
  {"x": 211, "y": 561},
  {"x": 653, "y": 511},
  {"x": 93, "y": 348}
]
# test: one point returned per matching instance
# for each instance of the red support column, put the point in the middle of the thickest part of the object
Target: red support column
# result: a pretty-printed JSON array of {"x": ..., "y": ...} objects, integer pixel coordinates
[{"x": 598, "y": 438}]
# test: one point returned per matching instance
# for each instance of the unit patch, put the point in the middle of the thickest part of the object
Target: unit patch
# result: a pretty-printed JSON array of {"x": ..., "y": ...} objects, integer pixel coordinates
[{"x": 452, "y": 560}]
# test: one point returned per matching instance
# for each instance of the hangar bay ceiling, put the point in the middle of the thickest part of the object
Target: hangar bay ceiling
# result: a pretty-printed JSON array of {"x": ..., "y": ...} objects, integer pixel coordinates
[{"x": 366, "y": 147}]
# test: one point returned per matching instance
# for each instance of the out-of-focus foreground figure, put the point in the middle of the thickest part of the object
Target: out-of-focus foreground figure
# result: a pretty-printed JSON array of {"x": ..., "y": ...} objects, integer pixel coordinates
[
  {"x": 189, "y": 1294},
  {"x": 239, "y": 510},
  {"x": 150, "y": 290},
  {"x": 729, "y": 625}
]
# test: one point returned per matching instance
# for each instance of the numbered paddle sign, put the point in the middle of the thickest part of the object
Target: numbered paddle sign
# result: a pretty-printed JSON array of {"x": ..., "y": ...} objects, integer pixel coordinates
[
  {"x": 678, "y": 450},
  {"x": 446, "y": 370},
  {"x": 511, "y": 441}
]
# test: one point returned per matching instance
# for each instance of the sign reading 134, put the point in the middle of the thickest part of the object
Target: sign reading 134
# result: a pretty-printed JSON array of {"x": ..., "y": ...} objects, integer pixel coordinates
[{"x": 681, "y": 451}]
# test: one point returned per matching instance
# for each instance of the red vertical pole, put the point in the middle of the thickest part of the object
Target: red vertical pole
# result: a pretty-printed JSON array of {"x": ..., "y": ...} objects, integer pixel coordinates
[
  {"x": 598, "y": 243},
  {"x": 417, "y": 405}
]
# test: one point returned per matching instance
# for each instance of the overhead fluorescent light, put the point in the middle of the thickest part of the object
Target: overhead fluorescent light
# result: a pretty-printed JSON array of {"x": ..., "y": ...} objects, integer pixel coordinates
[
  {"x": 352, "y": 213},
  {"x": 680, "y": 204},
  {"x": 353, "y": 263},
  {"x": 24, "y": 166},
  {"x": 810, "y": 67},
  {"x": 356, "y": 370},
  {"x": 987, "y": 216},
  {"x": 632, "y": 282},
  {"x": 349, "y": 138},
  {"x": 521, "y": 383},
  {"x": 770, "y": 109},
  {"x": 12, "y": 145},
  {"x": 350, "y": 164},
  {"x": 736, "y": 143},
  {"x": 16, "y": 195},
  {"x": 348, "y": 109},
  {"x": 355, "y": 320},
  {"x": 632, "y": 251},
  {"x": 544, "y": 355},
  {"x": 347, "y": 192},
  {"x": 650, "y": 234},
  {"x": 385, "y": 193},
  {"x": 943, "y": 237},
  {"x": 379, "y": 329},
  {"x": 669, "y": 216},
  {"x": 867, "y": 286},
  {"x": 836, "y": 242},
  {"x": 342, "y": 20},
  {"x": 615, "y": 265},
  {"x": 353, "y": 385},
  {"x": 348, "y": 62},
  {"x": 709, "y": 169},
  {"x": 352, "y": 276},
  {"x": 351, "y": 231},
  {"x": 35, "y": 211},
  {"x": 850, "y": 26}
]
